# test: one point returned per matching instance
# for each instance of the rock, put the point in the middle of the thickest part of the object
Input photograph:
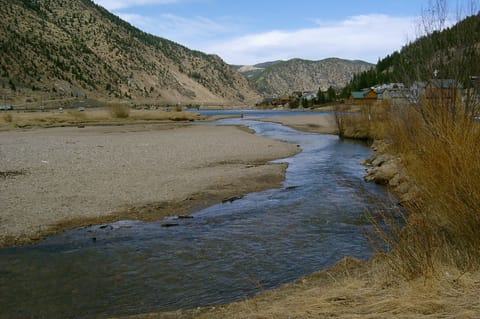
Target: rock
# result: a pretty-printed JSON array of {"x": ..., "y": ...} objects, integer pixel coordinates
[
  {"x": 232, "y": 199},
  {"x": 170, "y": 224},
  {"x": 403, "y": 188},
  {"x": 366, "y": 162},
  {"x": 184, "y": 217},
  {"x": 385, "y": 169},
  {"x": 370, "y": 176},
  {"x": 381, "y": 180},
  {"x": 383, "y": 174},
  {"x": 395, "y": 181},
  {"x": 388, "y": 170},
  {"x": 379, "y": 160}
]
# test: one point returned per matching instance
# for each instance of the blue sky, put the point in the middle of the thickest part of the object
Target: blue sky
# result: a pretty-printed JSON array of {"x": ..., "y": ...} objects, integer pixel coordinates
[{"x": 249, "y": 32}]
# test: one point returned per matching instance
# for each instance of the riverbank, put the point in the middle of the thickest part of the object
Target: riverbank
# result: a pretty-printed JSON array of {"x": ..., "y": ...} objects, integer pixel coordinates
[
  {"x": 59, "y": 178},
  {"x": 353, "y": 289},
  {"x": 313, "y": 123}
]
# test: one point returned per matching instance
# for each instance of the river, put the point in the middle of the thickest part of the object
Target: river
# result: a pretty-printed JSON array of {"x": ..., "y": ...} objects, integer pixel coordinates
[{"x": 225, "y": 253}]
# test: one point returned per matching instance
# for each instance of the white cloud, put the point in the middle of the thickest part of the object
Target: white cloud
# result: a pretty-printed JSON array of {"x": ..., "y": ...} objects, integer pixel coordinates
[
  {"x": 193, "y": 32},
  {"x": 366, "y": 37},
  {"x": 122, "y": 4}
]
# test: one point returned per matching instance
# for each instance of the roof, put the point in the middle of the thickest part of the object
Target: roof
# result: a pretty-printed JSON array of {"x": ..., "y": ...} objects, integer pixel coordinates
[
  {"x": 359, "y": 94},
  {"x": 446, "y": 83}
]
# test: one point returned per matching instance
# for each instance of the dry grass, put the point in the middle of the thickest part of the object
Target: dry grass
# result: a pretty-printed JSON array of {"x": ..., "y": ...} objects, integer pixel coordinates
[
  {"x": 119, "y": 111},
  {"x": 90, "y": 116},
  {"x": 366, "y": 123},
  {"x": 438, "y": 146},
  {"x": 352, "y": 289},
  {"x": 7, "y": 118},
  {"x": 440, "y": 153}
]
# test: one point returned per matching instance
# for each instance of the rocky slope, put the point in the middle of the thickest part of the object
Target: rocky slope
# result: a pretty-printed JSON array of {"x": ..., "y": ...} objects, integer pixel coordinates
[
  {"x": 283, "y": 77},
  {"x": 53, "y": 49}
]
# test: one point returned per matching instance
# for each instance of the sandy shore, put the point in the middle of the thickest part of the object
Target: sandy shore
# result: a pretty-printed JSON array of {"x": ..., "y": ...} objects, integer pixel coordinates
[
  {"x": 315, "y": 123},
  {"x": 53, "y": 179}
]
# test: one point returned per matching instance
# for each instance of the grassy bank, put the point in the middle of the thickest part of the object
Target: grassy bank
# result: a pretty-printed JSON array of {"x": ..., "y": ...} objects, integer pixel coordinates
[{"x": 438, "y": 147}]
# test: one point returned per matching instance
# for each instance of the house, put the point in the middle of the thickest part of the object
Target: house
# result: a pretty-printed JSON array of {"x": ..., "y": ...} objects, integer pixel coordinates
[
  {"x": 392, "y": 92},
  {"x": 444, "y": 92},
  {"x": 395, "y": 96},
  {"x": 364, "y": 97},
  {"x": 309, "y": 96}
]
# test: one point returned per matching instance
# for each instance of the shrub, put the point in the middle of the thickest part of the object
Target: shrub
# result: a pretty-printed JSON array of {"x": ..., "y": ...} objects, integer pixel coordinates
[
  {"x": 7, "y": 117},
  {"x": 367, "y": 124},
  {"x": 119, "y": 111}
]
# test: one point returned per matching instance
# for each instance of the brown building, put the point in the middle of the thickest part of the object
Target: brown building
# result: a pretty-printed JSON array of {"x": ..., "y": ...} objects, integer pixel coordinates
[
  {"x": 364, "y": 97},
  {"x": 444, "y": 92}
]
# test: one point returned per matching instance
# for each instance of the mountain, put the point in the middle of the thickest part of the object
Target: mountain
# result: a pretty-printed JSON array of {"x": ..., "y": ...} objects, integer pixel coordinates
[
  {"x": 253, "y": 71},
  {"x": 284, "y": 77},
  {"x": 56, "y": 49}
]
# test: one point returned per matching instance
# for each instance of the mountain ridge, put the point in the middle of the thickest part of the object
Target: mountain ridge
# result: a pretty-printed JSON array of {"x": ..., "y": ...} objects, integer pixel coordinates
[{"x": 53, "y": 50}]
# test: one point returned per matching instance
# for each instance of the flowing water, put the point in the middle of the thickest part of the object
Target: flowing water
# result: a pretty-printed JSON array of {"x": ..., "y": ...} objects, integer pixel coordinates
[{"x": 224, "y": 253}]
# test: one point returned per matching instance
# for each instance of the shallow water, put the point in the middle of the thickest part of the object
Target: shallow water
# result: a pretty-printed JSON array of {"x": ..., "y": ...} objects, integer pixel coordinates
[{"x": 224, "y": 253}]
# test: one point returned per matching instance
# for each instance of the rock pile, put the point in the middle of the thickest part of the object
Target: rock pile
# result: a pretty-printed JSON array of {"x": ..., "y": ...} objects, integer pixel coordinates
[{"x": 386, "y": 169}]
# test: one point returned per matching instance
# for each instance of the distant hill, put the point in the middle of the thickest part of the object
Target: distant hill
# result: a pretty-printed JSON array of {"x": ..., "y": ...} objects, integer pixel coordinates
[
  {"x": 57, "y": 49},
  {"x": 283, "y": 77},
  {"x": 253, "y": 71}
]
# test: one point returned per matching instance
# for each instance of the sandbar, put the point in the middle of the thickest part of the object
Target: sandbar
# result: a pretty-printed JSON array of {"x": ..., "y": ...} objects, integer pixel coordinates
[{"x": 59, "y": 178}]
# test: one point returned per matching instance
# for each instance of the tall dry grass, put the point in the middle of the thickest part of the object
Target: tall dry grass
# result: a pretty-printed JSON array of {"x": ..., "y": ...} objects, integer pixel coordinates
[
  {"x": 439, "y": 147},
  {"x": 366, "y": 124}
]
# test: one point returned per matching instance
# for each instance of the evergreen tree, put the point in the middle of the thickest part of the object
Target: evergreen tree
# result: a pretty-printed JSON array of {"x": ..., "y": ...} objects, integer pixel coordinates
[
  {"x": 320, "y": 97},
  {"x": 331, "y": 94},
  {"x": 305, "y": 103}
]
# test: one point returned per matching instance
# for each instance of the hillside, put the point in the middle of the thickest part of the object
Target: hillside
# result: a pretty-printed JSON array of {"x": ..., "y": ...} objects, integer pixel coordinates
[
  {"x": 451, "y": 53},
  {"x": 52, "y": 49},
  {"x": 283, "y": 77}
]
